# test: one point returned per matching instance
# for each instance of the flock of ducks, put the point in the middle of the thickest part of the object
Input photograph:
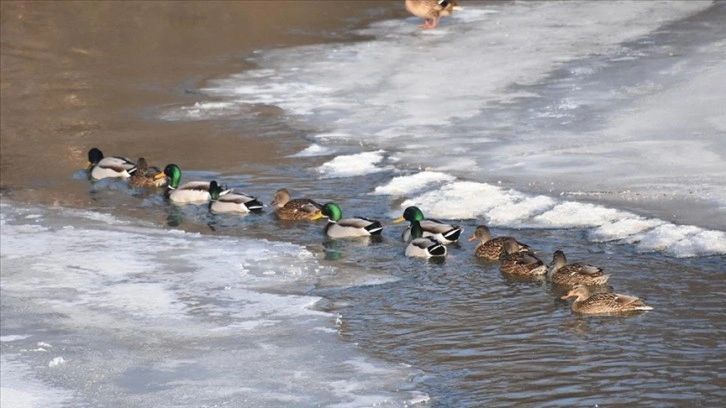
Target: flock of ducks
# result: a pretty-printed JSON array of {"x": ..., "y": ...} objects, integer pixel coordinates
[
  {"x": 426, "y": 237},
  {"x": 517, "y": 259}
]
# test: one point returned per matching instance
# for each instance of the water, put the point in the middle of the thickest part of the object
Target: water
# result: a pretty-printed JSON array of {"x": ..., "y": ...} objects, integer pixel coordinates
[{"x": 597, "y": 130}]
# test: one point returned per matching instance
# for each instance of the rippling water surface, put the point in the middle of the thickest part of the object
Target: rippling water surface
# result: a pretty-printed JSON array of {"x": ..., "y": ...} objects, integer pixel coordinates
[{"x": 253, "y": 311}]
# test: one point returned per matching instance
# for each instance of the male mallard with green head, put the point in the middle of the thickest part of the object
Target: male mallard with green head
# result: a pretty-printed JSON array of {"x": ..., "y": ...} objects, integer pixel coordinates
[
  {"x": 193, "y": 192},
  {"x": 226, "y": 201},
  {"x": 603, "y": 303},
  {"x": 423, "y": 247},
  {"x": 491, "y": 248},
  {"x": 441, "y": 231},
  {"x": 287, "y": 208},
  {"x": 431, "y": 10},
  {"x": 518, "y": 263},
  {"x": 338, "y": 227},
  {"x": 100, "y": 167},
  {"x": 572, "y": 274}
]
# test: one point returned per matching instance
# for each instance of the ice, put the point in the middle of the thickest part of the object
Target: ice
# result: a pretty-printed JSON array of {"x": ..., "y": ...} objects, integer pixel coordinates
[
  {"x": 353, "y": 165},
  {"x": 411, "y": 183},
  {"x": 590, "y": 97},
  {"x": 314, "y": 150},
  {"x": 140, "y": 316},
  {"x": 12, "y": 338},
  {"x": 623, "y": 228},
  {"x": 56, "y": 361},
  {"x": 20, "y": 389},
  {"x": 498, "y": 206}
]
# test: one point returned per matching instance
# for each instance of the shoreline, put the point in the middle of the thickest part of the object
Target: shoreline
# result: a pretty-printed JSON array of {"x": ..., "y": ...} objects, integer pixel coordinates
[
  {"x": 64, "y": 92},
  {"x": 75, "y": 77}
]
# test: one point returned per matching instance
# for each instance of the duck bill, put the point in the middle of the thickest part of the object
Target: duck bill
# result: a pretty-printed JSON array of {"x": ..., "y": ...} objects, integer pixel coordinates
[
  {"x": 159, "y": 176},
  {"x": 568, "y": 295},
  {"x": 399, "y": 219},
  {"x": 317, "y": 215},
  {"x": 89, "y": 165},
  {"x": 472, "y": 237}
]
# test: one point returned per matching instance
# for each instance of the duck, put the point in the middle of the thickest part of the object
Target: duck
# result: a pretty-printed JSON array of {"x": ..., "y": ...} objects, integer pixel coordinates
[
  {"x": 231, "y": 202},
  {"x": 193, "y": 192},
  {"x": 443, "y": 232},
  {"x": 338, "y": 227},
  {"x": 520, "y": 263},
  {"x": 565, "y": 274},
  {"x": 491, "y": 248},
  {"x": 423, "y": 247},
  {"x": 431, "y": 10},
  {"x": 100, "y": 167},
  {"x": 145, "y": 176},
  {"x": 287, "y": 208},
  {"x": 603, "y": 302}
]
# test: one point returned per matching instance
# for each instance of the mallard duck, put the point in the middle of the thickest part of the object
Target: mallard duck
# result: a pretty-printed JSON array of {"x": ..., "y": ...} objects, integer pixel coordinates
[
  {"x": 519, "y": 263},
  {"x": 491, "y": 248},
  {"x": 231, "y": 202},
  {"x": 193, "y": 192},
  {"x": 297, "y": 209},
  {"x": 423, "y": 247},
  {"x": 603, "y": 303},
  {"x": 146, "y": 176},
  {"x": 347, "y": 227},
  {"x": 431, "y": 10},
  {"x": 443, "y": 232},
  {"x": 100, "y": 167},
  {"x": 572, "y": 274}
]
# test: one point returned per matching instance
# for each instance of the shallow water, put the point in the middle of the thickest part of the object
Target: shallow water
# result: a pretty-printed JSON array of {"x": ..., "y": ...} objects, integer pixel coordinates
[{"x": 250, "y": 310}]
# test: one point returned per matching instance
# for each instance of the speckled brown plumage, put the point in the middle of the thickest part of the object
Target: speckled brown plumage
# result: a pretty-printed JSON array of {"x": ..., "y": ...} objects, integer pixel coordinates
[
  {"x": 287, "y": 208},
  {"x": 147, "y": 177},
  {"x": 524, "y": 264},
  {"x": 565, "y": 274},
  {"x": 491, "y": 248},
  {"x": 603, "y": 303}
]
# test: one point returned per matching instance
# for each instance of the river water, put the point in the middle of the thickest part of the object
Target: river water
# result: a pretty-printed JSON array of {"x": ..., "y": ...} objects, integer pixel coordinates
[{"x": 586, "y": 127}]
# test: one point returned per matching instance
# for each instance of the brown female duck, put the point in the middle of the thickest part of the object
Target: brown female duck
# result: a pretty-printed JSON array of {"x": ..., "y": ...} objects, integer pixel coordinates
[
  {"x": 491, "y": 248},
  {"x": 288, "y": 208},
  {"x": 146, "y": 177},
  {"x": 572, "y": 274},
  {"x": 524, "y": 264},
  {"x": 603, "y": 303}
]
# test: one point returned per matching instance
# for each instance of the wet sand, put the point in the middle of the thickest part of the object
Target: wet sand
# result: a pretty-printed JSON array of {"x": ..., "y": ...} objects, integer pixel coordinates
[{"x": 81, "y": 74}]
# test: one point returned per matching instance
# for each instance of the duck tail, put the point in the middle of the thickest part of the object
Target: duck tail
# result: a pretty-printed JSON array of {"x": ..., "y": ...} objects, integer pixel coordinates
[
  {"x": 374, "y": 228},
  {"x": 453, "y": 234},
  {"x": 254, "y": 205},
  {"x": 437, "y": 250}
]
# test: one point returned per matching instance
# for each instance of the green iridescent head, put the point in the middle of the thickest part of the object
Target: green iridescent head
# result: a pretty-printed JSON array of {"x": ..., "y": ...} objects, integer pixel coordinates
[
  {"x": 174, "y": 173},
  {"x": 332, "y": 211},
  {"x": 411, "y": 214}
]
